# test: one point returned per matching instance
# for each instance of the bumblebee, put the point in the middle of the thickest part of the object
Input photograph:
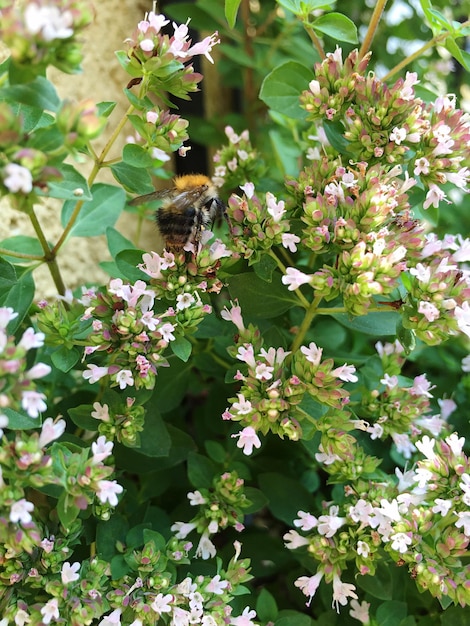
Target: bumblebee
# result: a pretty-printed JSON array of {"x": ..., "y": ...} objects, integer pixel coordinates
[{"x": 188, "y": 208}]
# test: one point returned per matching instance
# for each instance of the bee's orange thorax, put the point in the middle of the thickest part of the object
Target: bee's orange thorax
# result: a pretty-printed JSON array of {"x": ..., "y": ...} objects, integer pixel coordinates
[{"x": 189, "y": 181}]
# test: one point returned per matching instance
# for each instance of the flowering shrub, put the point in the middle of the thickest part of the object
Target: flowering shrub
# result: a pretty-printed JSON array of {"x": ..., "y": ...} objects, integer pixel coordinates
[{"x": 290, "y": 386}]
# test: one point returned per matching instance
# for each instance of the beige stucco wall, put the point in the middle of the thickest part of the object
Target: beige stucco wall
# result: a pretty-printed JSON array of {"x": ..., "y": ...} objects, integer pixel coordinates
[{"x": 102, "y": 80}]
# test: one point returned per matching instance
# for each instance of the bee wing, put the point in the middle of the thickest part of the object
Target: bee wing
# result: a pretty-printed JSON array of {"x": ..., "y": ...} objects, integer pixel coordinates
[
  {"x": 150, "y": 197},
  {"x": 186, "y": 199}
]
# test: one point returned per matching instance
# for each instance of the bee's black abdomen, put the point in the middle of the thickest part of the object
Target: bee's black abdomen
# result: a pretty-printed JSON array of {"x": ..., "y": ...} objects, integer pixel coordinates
[{"x": 176, "y": 228}]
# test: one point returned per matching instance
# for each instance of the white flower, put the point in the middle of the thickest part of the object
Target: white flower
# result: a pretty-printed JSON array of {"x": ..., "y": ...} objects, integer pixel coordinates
[
  {"x": 113, "y": 619},
  {"x": 195, "y": 498},
  {"x": 290, "y": 241},
  {"x": 101, "y": 449},
  {"x": 17, "y": 178},
  {"x": 306, "y": 521},
  {"x": 69, "y": 573},
  {"x": 50, "y": 611},
  {"x": 341, "y": 593},
  {"x": 442, "y": 506},
  {"x": 161, "y": 604},
  {"x": 108, "y": 491},
  {"x": 312, "y": 353},
  {"x": 363, "y": 549},
  {"x": 94, "y": 373},
  {"x": 31, "y": 339},
  {"x": 294, "y": 278},
  {"x": 124, "y": 379},
  {"x": 245, "y": 619},
  {"x": 33, "y": 403},
  {"x": 51, "y": 431},
  {"x": 329, "y": 524},
  {"x": 293, "y": 540},
  {"x": 308, "y": 585},
  {"x": 206, "y": 549},
  {"x": 21, "y": 511},
  {"x": 216, "y": 585},
  {"x": 360, "y": 611},
  {"x": 464, "y": 522},
  {"x": 184, "y": 301},
  {"x": 275, "y": 209},
  {"x": 248, "y": 439},
  {"x": 400, "y": 542},
  {"x": 243, "y": 406}
]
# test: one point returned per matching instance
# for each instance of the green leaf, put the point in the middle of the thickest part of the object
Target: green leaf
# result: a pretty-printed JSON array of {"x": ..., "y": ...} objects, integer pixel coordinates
[
  {"x": 380, "y": 585},
  {"x": 201, "y": 470},
  {"x": 105, "y": 108},
  {"x": 334, "y": 133},
  {"x": 286, "y": 496},
  {"x": 81, "y": 417},
  {"x": 127, "y": 261},
  {"x": 108, "y": 533},
  {"x": 23, "y": 244},
  {"x": 231, "y": 10},
  {"x": 133, "y": 179},
  {"x": 117, "y": 242},
  {"x": 72, "y": 185},
  {"x": 266, "y": 607},
  {"x": 47, "y": 139},
  {"x": 391, "y": 613},
  {"x": 181, "y": 347},
  {"x": 293, "y": 618},
  {"x": 304, "y": 7},
  {"x": 20, "y": 421},
  {"x": 98, "y": 214},
  {"x": 136, "y": 156},
  {"x": 376, "y": 324},
  {"x": 154, "y": 439},
  {"x": 7, "y": 275},
  {"x": 257, "y": 499},
  {"x": 19, "y": 297},
  {"x": 258, "y": 298},
  {"x": 66, "y": 511},
  {"x": 286, "y": 152},
  {"x": 39, "y": 93},
  {"x": 337, "y": 26},
  {"x": 171, "y": 385},
  {"x": 462, "y": 56},
  {"x": 282, "y": 87},
  {"x": 265, "y": 267},
  {"x": 65, "y": 358}
]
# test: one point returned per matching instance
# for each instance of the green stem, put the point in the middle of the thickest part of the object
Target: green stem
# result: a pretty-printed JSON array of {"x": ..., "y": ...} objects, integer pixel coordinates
[
  {"x": 50, "y": 256},
  {"x": 341, "y": 309},
  {"x": 374, "y": 22},
  {"x": 91, "y": 178},
  {"x": 306, "y": 323},
  {"x": 316, "y": 42}
]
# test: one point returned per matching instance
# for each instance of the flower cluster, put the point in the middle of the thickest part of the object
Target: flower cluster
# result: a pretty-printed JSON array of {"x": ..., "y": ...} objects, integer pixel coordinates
[
  {"x": 258, "y": 225},
  {"x": 423, "y": 521},
  {"x": 236, "y": 162},
  {"x": 159, "y": 132},
  {"x": 79, "y": 122},
  {"x": 163, "y": 62},
  {"x": 274, "y": 383},
  {"x": 45, "y": 32},
  {"x": 439, "y": 291},
  {"x": 17, "y": 379},
  {"x": 119, "y": 419},
  {"x": 219, "y": 508},
  {"x": 389, "y": 124}
]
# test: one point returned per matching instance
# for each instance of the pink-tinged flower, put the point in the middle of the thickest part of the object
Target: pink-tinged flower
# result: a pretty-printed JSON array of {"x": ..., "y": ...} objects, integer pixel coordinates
[
  {"x": 195, "y": 498},
  {"x": 360, "y": 611},
  {"x": 94, "y": 373},
  {"x": 275, "y": 209},
  {"x": 216, "y": 585},
  {"x": 159, "y": 155},
  {"x": 50, "y": 611},
  {"x": 166, "y": 331},
  {"x": 124, "y": 379},
  {"x": 113, "y": 619},
  {"x": 233, "y": 315},
  {"x": 421, "y": 387},
  {"x": 161, "y": 604},
  {"x": 38, "y": 371},
  {"x": 290, "y": 241},
  {"x": 464, "y": 522},
  {"x": 295, "y": 278},
  {"x": 341, "y": 593},
  {"x": 293, "y": 540},
  {"x": 108, "y": 491},
  {"x": 246, "y": 354},
  {"x": 204, "y": 47},
  {"x": 346, "y": 372},
  {"x": 157, "y": 21},
  {"x": 51, "y": 431},
  {"x": 327, "y": 458},
  {"x": 101, "y": 449},
  {"x": 47, "y": 545},
  {"x": 422, "y": 272},
  {"x": 447, "y": 407},
  {"x": 398, "y": 135},
  {"x": 146, "y": 45},
  {"x": 17, "y": 178},
  {"x": 205, "y": 549},
  {"x": 434, "y": 196},
  {"x": 248, "y": 189},
  {"x": 429, "y": 310},
  {"x": 313, "y": 353},
  {"x": 101, "y": 412},
  {"x": 243, "y": 406},
  {"x": 219, "y": 250},
  {"x": 455, "y": 443},
  {"x": 462, "y": 315},
  {"x": 184, "y": 301},
  {"x": 182, "y": 529},
  {"x": 264, "y": 372},
  {"x": 400, "y": 542},
  {"x": 21, "y": 511},
  {"x": 389, "y": 381},
  {"x": 33, "y": 403},
  {"x": 248, "y": 439},
  {"x": 69, "y": 573},
  {"x": 245, "y": 619},
  {"x": 308, "y": 585},
  {"x": 6, "y": 315},
  {"x": 31, "y": 339},
  {"x": 329, "y": 524},
  {"x": 306, "y": 521}
]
